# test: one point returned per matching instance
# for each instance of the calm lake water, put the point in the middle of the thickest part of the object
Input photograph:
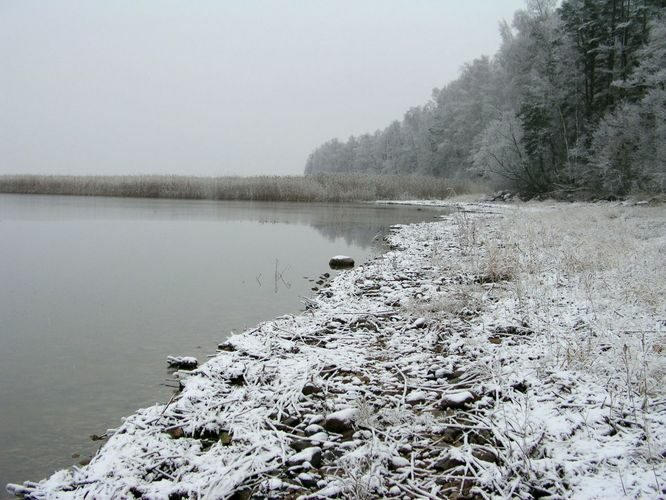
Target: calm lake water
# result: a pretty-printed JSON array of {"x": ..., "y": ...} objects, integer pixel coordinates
[{"x": 96, "y": 292}]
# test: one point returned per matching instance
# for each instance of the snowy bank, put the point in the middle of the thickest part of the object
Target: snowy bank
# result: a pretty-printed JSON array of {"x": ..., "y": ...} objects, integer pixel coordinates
[{"x": 498, "y": 352}]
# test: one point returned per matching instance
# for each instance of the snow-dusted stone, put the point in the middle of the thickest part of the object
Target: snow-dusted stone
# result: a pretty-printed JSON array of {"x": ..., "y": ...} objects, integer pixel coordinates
[
  {"x": 316, "y": 419},
  {"x": 416, "y": 397},
  {"x": 457, "y": 400},
  {"x": 291, "y": 421},
  {"x": 398, "y": 462},
  {"x": 395, "y": 491},
  {"x": 182, "y": 362},
  {"x": 340, "y": 421},
  {"x": 485, "y": 454},
  {"x": 300, "y": 444},
  {"x": 341, "y": 262},
  {"x": 443, "y": 373},
  {"x": 18, "y": 490},
  {"x": 307, "y": 480},
  {"x": 319, "y": 437},
  {"x": 419, "y": 323},
  {"x": 447, "y": 463},
  {"x": 226, "y": 346},
  {"x": 275, "y": 484},
  {"x": 311, "y": 455},
  {"x": 313, "y": 429},
  {"x": 310, "y": 388},
  {"x": 405, "y": 448}
]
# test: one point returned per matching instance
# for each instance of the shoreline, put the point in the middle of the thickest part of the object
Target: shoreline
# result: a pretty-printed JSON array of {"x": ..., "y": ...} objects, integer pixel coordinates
[{"x": 457, "y": 363}]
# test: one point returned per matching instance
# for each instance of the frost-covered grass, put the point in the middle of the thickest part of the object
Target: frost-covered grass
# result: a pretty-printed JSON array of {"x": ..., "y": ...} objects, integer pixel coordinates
[
  {"x": 319, "y": 187},
  {"x": 506, "y": 351}
]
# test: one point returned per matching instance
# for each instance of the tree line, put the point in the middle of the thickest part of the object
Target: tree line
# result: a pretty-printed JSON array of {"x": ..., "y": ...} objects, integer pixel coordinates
[{"x": 573, "y": 101}]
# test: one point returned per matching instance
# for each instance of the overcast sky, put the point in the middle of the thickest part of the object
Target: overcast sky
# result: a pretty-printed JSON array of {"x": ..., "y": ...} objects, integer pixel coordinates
[{"x": 219, "y": 87}]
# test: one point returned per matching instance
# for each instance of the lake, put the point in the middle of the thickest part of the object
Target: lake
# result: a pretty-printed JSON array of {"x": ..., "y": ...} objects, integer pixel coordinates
[{"x": 96, "y": 292}]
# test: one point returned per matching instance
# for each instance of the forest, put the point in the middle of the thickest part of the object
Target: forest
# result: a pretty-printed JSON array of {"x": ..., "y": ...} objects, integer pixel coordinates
[{"x": 573, "y": 103}]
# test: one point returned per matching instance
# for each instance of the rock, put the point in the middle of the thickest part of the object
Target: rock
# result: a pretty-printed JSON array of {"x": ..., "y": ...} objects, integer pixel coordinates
[
  {"x": 419, "y": 323},
  {"x": 332, "y": 454},
  {"x": 241, "y": 494},
  {"x": 447, "y": 463},
  {"x": 457, "y": 400},
  {"x": 176, "y": 432},
  {"x": 310, "y": 388},
  {"x": 362, "y": 434},
  {"x": 513, "y": 330},
  {"x": 483, "y": 437},
  {"x": 319, "y": 437},
  {"x": 313, "y": 429},
  {"x": 520, "y": 387},
  {"x": 444, "y": 373},
  {"x": 416, "y": 397},
  {"x": 316, "y": 419},
  {"x": 311, "y": 455},
  {"x": 19, "y": 491},
  {"x": 182, "y": 362},
  {"x": 300, "y": 444},
  {"x": 341, "y": 421},
  {"x": 451, "y": 435},
  {"x": 307, "y": 480},
  {"x": 398, "y": 462},
  {"x": 341, "y": 262},
  {"x": 485, "y": 455},
  {"x": 291, "y": 421},
  {"x": 395, "y": 491}
]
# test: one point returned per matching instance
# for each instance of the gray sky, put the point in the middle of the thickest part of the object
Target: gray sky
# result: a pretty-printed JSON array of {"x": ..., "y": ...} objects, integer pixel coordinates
[{"x": 219, "y": 87}]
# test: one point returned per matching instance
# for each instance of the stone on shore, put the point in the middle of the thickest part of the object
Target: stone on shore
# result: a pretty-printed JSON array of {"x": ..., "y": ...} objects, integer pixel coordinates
[
  {"x": 341, "y": 262},
  {"x": 340, "y": 421},
  {"x": 182, "y": 362}
]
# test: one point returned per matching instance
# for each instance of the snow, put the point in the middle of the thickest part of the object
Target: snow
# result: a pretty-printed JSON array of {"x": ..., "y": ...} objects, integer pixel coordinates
[{"x": 538, "y": 365}]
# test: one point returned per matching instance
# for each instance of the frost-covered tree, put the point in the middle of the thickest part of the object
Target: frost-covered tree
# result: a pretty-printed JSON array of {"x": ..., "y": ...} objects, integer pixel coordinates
[
  {"x": 629, "y": 145},
  {"x": 461, "y": 111},
  {"x": 573, "y": 100},
  {"x": 499, "y": 152}
]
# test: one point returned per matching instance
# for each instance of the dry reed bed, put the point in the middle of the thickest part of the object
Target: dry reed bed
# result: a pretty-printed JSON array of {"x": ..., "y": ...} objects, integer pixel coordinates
[
  {"x": 503, "y": 352},
  {"x": 319, "y": 187}
]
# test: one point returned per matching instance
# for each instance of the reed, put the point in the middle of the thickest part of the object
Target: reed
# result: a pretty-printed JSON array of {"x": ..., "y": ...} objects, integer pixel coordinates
[{"x": 310, "y": 188}]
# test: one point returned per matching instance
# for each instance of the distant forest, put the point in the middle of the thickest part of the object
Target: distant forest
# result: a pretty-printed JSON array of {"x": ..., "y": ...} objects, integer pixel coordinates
[{"x": 574, "y": 101}]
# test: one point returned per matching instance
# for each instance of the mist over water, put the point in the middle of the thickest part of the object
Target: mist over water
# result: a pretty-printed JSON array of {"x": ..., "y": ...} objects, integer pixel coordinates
[{"x": 96, "y": 292}]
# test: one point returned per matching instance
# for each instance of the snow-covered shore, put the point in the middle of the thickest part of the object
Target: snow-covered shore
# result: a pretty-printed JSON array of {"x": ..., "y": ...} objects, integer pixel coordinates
[{"x": 506, "y": 350}]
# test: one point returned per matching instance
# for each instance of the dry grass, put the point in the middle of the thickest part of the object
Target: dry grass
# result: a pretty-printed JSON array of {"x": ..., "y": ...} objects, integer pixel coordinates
[
  {"x": 311, "y": 188},
  {"x": 614, "y": 259}
]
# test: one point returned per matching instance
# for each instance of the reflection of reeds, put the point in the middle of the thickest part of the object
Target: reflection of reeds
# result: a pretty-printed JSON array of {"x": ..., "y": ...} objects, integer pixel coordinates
[{"x": 319, "y": 187}]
